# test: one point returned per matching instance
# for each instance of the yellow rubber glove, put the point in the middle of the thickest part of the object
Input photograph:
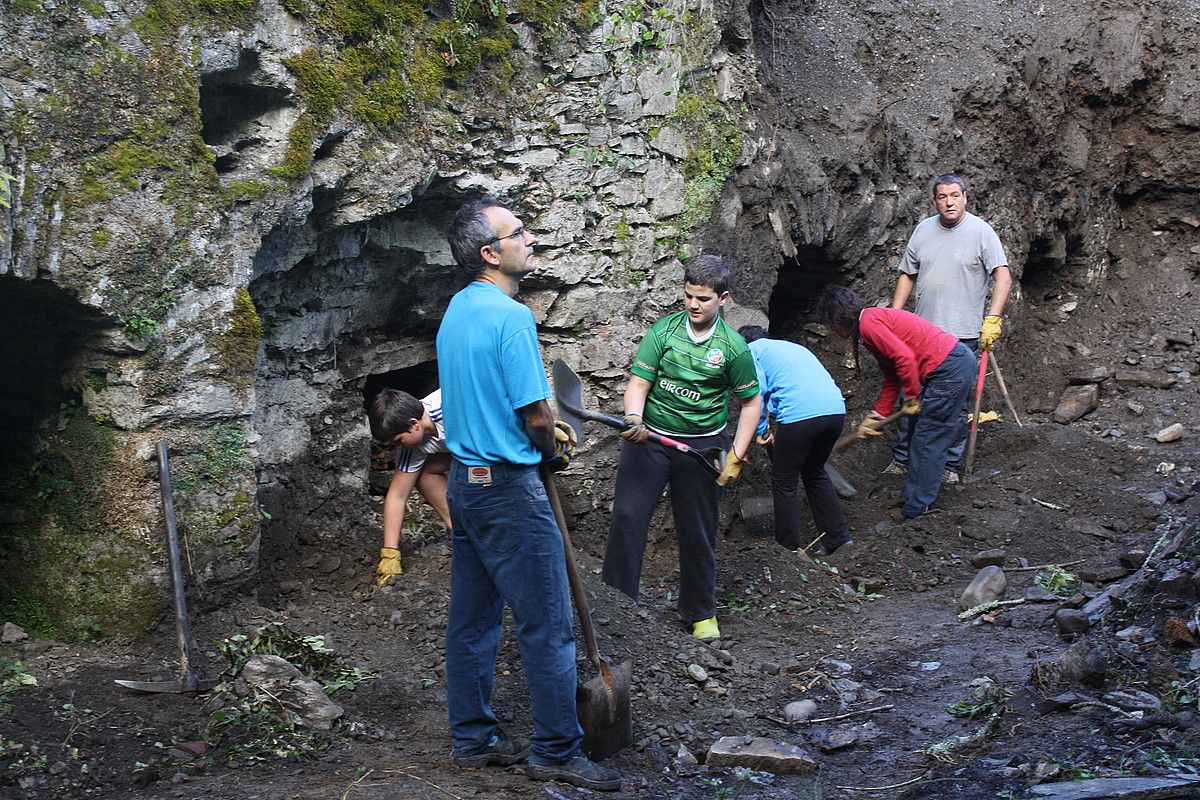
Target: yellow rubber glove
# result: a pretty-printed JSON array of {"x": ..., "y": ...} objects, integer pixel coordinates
[
  {"x": 872, "y": 425},
  {"x": 636, "y": 430},
  {"x": 564, "y": 445},
  {"x": 389, "y": 565},
  {"x": 733, "y": 469},
  {"x": 989, "y": 332},
  {"x": 988, "y": 416},
  {"x": 911, "y": 407}
]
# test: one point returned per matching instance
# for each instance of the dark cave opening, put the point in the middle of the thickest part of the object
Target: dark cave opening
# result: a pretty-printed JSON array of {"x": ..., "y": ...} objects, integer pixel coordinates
[
  {"x": 798, "y": 286},
  {"x": 1053, "y": 260},
  {"x": 230, "y": 105},
  {"x": 42, "y": 331}
]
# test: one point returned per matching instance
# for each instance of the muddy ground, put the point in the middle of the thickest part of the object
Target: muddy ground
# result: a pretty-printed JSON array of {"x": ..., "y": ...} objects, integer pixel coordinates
[{"x": 874, "y": 628}]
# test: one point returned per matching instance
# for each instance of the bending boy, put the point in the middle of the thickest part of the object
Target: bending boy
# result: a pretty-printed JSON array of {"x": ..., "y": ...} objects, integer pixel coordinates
[
  {"x": 684, "y": 369},
  {"x": 414, "y": 429}
]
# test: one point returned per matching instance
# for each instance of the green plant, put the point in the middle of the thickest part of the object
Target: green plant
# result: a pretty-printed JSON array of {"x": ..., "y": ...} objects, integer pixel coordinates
[
  {"x": 309, "y": 654},
  {"x": 986, "y": 695},
  {"x": 138, "y": 324},
  {"x": 12, "y": 678},
  {"x": 1057, "y": 580},
  {"x": 735, "y": 603}
]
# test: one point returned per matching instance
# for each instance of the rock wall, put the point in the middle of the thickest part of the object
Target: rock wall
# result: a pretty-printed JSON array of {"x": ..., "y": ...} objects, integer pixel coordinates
[{"x": 227, "y": 215}]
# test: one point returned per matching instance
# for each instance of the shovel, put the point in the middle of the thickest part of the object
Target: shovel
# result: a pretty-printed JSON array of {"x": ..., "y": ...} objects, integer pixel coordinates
[
  {"x": 188, "y": 683},
  {"x": 568, "y": 391},
  {"x": 603, "y": 702},
  {"x": 850, "y": 438}
]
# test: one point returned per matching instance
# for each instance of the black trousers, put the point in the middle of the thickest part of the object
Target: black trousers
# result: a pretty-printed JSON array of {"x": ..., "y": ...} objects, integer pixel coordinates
[
  {"x": 643, "y": 470},
  {"x": 800, "y": 451}
]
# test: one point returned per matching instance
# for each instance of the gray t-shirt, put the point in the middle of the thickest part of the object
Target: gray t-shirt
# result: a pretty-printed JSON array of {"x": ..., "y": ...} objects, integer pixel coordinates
[{"x": 952, "y": 266}]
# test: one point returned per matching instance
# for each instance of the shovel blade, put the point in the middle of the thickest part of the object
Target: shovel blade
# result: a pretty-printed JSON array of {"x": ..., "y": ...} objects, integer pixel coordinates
[
  {"x": 604, "y": 714},
  {"x": 568, "y": 391}
]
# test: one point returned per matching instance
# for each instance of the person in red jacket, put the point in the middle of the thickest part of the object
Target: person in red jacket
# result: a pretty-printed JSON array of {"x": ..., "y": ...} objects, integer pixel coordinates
[{"x": 933, "y": 369}]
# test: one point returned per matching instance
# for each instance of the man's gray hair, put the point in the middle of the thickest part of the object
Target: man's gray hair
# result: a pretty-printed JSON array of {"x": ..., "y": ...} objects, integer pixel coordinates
[
  {"x": 945, "y": 178},
  {"x": 469, "y": 232}
]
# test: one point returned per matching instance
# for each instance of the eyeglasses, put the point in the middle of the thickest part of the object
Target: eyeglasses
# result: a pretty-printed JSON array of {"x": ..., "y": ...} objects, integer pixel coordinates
[{"x": 518, "y": 232}]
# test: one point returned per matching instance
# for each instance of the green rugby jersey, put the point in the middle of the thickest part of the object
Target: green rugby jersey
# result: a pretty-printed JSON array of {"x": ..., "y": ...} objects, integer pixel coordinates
[{"x": 690, "y": 380}]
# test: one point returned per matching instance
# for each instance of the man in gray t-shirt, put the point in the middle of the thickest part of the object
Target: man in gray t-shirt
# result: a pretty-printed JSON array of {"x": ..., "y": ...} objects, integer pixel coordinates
[{"x": 946, "y": 264}]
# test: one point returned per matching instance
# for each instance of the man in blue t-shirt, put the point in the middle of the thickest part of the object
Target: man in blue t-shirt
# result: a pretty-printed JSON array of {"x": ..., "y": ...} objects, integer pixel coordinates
[
  {"x": 506, "y": 547},
  {"x": 809, "y": 413}
]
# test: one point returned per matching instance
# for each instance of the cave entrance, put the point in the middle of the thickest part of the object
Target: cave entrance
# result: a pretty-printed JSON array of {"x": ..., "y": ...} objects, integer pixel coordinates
[
  {"x": 798, "y": 286},
  {"x": 42, "y": 331}
]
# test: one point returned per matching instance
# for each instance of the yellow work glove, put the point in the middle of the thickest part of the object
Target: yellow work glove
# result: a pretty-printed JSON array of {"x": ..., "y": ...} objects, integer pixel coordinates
[
  {"x": 733, "y": 469},
  {"x": 911, "y": 407},
  {"x": 987, "y": 416},
  {"x": 564, "y": 445},
  {"x": 389, "y": 565},
  {"x": 989, "y": 332},
  {"x": 871, "y": 426},
  {"x": 635, "y": 430}
]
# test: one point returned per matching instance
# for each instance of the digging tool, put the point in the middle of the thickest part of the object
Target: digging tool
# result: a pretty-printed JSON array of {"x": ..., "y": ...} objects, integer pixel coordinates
[
  {"x": 568, "y": 391},
  {"x": 603, "y": 702},
  {"x": 849, "y": 438},
  {"x": 970, "y": 462},
  {"x": 1004, "y": 390},
  {"x": 188, "y": 683}
]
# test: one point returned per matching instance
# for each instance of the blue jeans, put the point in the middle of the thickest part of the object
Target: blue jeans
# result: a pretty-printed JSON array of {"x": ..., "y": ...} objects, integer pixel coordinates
[
  {"x": 937, "y": 428},
  {"x": 506, "y": 548},
  {"x": 957, "y": 450}
]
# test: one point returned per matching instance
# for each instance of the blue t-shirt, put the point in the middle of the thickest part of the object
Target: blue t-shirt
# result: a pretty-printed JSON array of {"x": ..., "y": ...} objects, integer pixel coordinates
[
  {"x": 489, "y": 366},
  {"x": 794, "y": 384}
]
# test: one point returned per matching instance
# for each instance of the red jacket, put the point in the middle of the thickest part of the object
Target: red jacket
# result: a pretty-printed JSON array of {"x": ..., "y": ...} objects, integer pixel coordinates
[{"x": 907, "y": 348}]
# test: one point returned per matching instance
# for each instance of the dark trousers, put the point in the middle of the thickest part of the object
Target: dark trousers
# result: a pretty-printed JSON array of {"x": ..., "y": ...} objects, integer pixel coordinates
[
  {"x": 799, "y": 454},
  {"x": 957, "y": 450},
  {"x": 939, "y": 425},
  {"x": 642, "y": 472}
]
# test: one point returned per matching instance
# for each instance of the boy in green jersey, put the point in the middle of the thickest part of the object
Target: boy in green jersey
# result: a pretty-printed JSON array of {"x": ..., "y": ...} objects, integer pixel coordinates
[{"x": 684, "y": 369}]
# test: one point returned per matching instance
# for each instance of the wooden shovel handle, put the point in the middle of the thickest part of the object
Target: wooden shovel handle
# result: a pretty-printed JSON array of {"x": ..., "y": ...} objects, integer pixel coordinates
[
  {"x": 850, "y": 438},
  {"x": 578, "y": 593}
]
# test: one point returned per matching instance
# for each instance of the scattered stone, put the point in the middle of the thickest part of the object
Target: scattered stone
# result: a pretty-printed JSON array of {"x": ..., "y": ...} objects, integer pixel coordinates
[
  {"x": 1152, "y": 380},
  {"x": 683, "y": 756},
  {"x": 1075, "y": 402},
  {"x": 1083, "y": 663},
  {"x": 1133, "y": 700},
  {"x": 760, "y": 754},
  {"x": 194, "y": 749},
  {"x": 1175, "y": 582},
  {"x": 1090, "y": 375},
  {"x": 1135, "y": 408},
  {"x": 304, "y": 699},
  {"x": 697, "y": 673},
  {"x": 1135, "y": 633},
  {"x": 1059, "y": 702},
  {"x": 1071, "y": 621},
  {"x": 1040, "y": 594},
  {"x": 834, "y": 667},
  {"x": 988, "y": 585},
  {"x": 1171, "y": 433},
  {"x": 12, "y": 634},
  {"x": 839, "y": 740},
  {"x": 1115, "y": 788},
  {"x": 799, "y": 711},
  {"x": 1133, "y": 559},
  {"x": 988, "y": 558}
]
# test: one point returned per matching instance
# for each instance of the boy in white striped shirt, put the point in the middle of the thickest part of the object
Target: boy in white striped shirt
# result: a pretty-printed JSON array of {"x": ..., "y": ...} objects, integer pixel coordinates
[{"x": 414, "y": 429}]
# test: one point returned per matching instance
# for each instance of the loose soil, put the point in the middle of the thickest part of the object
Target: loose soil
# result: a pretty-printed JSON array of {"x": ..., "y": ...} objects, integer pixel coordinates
[{"x": 874, "y": 628}]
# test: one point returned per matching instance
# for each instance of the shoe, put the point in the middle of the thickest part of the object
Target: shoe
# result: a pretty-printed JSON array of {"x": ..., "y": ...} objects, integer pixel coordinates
[
  {"x": 950, "y": 476},
  {"x": 827, "y": 549},
  {"x": 895, "y": 468},
  {"x": 505, "y": 752},
  {"x": 579, "y": 771},
  {"x": 706, "y": 629}
]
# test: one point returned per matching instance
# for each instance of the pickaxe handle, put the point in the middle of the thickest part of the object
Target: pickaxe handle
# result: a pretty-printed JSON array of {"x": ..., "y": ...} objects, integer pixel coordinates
[
  {"x": 665, "y": 441},
  {"x": 854, "y": 437}
]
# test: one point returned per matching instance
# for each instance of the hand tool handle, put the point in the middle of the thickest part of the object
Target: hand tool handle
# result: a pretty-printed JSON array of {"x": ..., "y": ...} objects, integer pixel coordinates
[
  {"x": 970, "y": 462},
  {"x": 1004, "y": 391},
  {"x": 187, "y": 656},
  {"x": 853, "y": 437},
  {"x": 578, "y": 593},
  {"x": 665, "y": 441}
]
